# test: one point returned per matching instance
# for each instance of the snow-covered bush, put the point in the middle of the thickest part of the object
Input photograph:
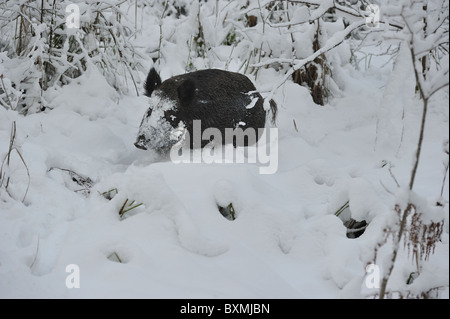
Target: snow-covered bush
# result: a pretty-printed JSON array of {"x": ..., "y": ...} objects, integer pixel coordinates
[
  {"x": 360, "y": 183},
  {"x": 40, "y": 50},
  {"x": 290, "y": 36},
  {"x": 422, "y": 34}
]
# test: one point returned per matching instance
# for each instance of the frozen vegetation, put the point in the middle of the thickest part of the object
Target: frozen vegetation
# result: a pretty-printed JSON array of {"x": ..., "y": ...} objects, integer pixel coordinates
[{"x": 357, "y": 208}]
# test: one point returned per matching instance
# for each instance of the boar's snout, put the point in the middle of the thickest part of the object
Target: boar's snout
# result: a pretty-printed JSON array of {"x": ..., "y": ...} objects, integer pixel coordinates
[{"x": 140, "y": 143}]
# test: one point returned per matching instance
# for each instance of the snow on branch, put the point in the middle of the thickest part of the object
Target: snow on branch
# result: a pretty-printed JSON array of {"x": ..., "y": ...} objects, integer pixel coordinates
[
  {"x": 421, "y": 45},
  {"x": 324, "y": 6},
  {"x": 440, "y": 79},
  {"x": 422, "y": 38},
  {"x": 310, "y": 2},
  {"x": 333, "y": 42}
]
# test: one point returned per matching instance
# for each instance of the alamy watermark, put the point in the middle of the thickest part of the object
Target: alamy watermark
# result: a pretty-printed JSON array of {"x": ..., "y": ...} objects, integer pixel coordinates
[
  {"x": 372, "y": 280},
  {"x": 261, "y": 147},
  {"x": 73, "y": 19},
  {"x": 373, "y": 19},
  {"x": 73, "y": 279}
]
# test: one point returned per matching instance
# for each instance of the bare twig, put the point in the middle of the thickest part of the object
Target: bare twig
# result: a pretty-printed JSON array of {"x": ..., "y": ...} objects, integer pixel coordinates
[
  {"x": 7, "y": 159},
  {"x": 424, "y": 95},
  {"x": 333, "y": 42},
  {"x": 393, "y": 176},
  {"x": 397, "y": 239},
  {"x": 446, "y": 163},
  {"x": 160, "y": 31},
  {"x": 36, "y": 253},
  {"x": 6, "y": 93}
]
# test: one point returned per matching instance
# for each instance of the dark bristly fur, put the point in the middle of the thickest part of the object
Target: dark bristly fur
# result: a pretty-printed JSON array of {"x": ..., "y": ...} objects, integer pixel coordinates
[
  {"x": 218, "y": 98},
  {"x": 152, "y": 82}
]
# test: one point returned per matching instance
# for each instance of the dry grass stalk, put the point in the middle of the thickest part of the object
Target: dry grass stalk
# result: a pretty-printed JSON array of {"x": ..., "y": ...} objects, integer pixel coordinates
[{"x": 5, "y": 178}]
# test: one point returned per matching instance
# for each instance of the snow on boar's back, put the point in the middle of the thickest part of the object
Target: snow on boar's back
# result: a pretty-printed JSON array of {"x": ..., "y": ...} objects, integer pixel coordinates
[{"x": 219, "y": 99}]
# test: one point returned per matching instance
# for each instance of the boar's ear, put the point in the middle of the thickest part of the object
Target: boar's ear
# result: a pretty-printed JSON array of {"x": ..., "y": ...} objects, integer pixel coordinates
[
  {"x": 152, "y": 82},
  {"x": 186, "y": 92}
]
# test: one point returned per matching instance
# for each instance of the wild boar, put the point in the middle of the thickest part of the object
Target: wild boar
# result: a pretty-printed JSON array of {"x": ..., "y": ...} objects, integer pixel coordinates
[{"x": 219, "y": 99}]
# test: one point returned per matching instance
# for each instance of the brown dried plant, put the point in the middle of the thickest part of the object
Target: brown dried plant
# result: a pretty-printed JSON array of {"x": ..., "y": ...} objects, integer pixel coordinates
[{"x": 421, "y": 238}]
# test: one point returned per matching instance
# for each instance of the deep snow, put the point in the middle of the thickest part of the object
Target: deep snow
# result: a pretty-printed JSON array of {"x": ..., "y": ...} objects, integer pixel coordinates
[{"x": 285, "y": 242}]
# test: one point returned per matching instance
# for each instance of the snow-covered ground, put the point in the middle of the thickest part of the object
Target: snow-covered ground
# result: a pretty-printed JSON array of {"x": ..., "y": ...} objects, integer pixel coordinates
[
  {"x": 286, "y": 241},
  {"x": 74, "y": 167}
]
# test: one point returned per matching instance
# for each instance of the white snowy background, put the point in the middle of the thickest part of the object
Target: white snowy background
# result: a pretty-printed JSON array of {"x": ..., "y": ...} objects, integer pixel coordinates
[{"x": 286, "y": 241}]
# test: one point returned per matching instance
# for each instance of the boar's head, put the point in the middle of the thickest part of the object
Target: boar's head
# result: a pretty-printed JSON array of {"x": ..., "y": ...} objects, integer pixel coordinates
[{"x": 164, "y": 115}]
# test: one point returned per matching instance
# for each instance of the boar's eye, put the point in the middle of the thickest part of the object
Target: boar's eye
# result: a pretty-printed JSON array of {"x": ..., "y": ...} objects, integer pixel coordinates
[{"x": 171, "y": 117}]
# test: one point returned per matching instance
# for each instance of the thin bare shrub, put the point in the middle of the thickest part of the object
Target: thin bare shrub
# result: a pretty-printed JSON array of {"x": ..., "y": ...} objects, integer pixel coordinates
[{"x": 43, "y": 52}]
